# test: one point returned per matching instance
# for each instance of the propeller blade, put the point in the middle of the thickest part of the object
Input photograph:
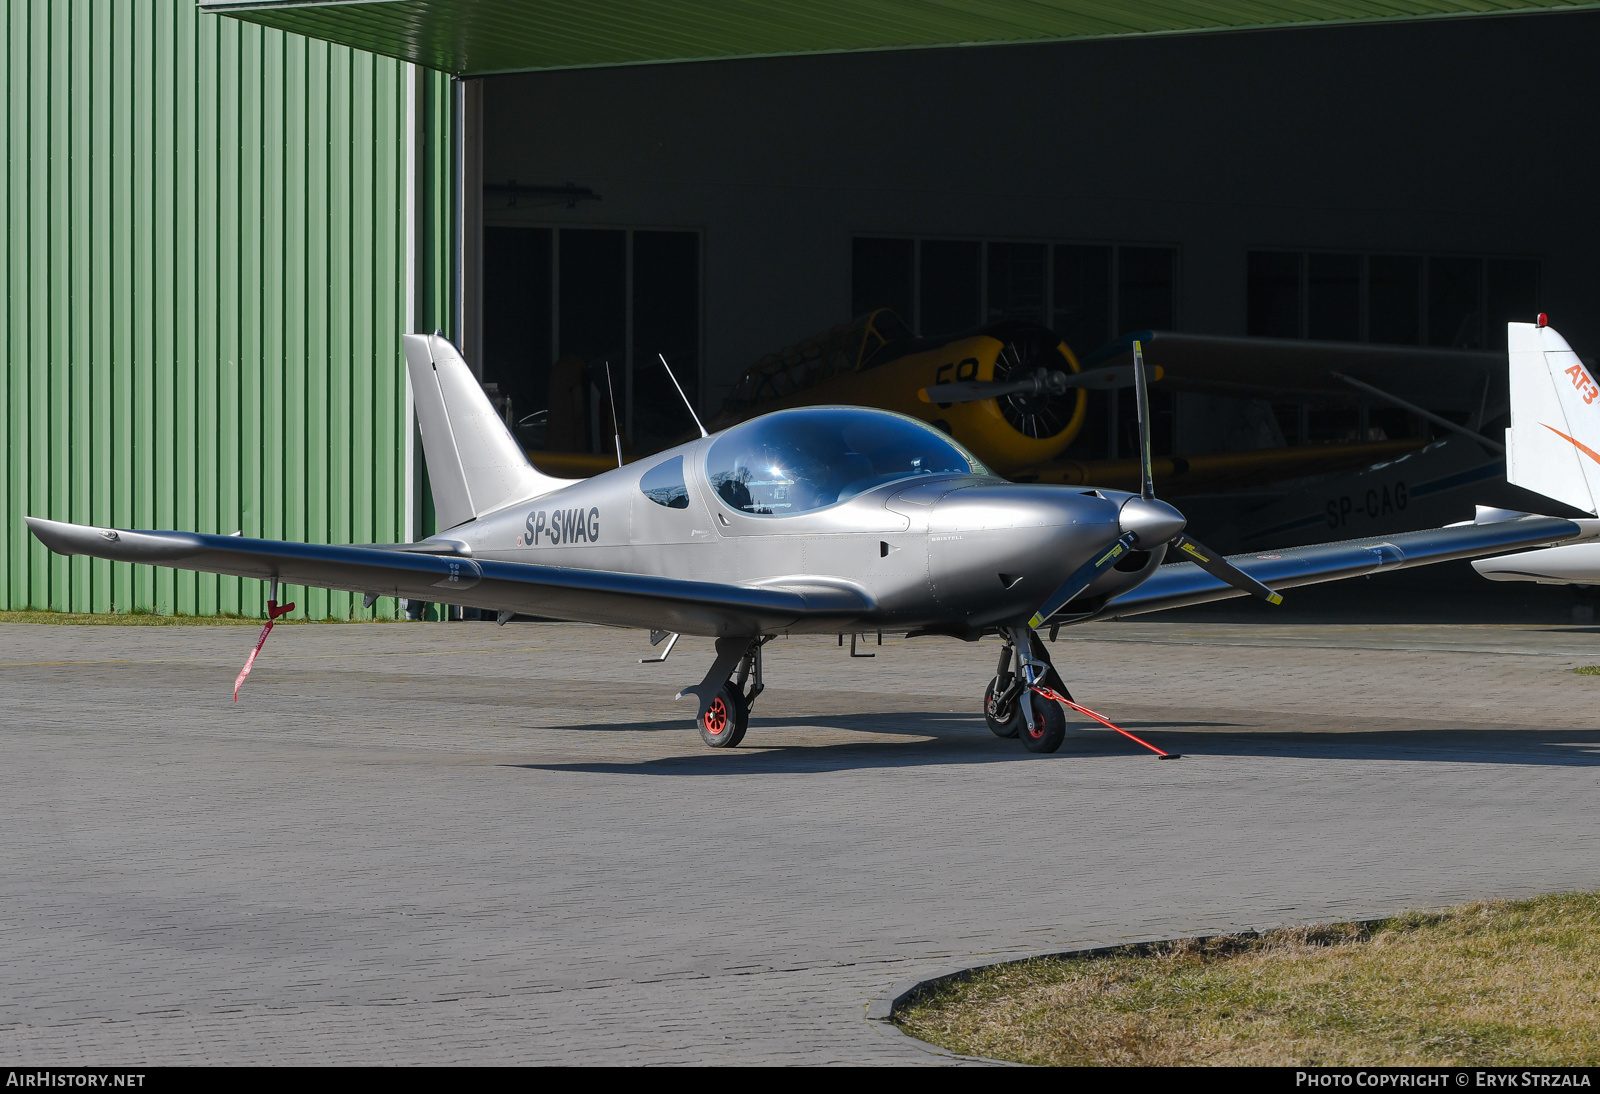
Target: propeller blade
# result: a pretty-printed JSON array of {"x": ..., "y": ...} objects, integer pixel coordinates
[
  {"x": 975, "y": 391},
  {"x": 1105, "y": 379},
  {"x": 1147, "y": 478},
  {"x": 1221, "y": 569},
  {"x": 1081, "y": 579},
  {"x": 1055, "y": 382}
]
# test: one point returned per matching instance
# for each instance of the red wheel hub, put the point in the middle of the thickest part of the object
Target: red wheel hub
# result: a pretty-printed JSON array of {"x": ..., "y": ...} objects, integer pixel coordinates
[{"x": 717, "y": 717}]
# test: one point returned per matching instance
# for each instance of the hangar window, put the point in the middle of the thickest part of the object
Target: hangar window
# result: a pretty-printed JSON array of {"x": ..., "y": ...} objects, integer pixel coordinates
[
  {"x": 560, "y": 302},
  {"x": 1451, "y": 301},
  {"x": 949, "y": 297},
  {"x": 1087, "y": 293},
  {"x": 1016, "y": 280},
  {"x": 1146, "y": 278},
  {"x": 795, "y": 461},
  {"x": 881, "y": 276},
  {"x": 1081, "y": 295},
  {"x": 664, "y": 484}
]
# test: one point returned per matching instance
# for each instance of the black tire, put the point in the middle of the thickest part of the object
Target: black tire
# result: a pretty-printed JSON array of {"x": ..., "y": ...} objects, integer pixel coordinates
[
  {"x": 725, "y": 720},
  {"x": 1049, "y": 725},
  {"x": 744, "y": 717},
  {"x": 1002, "y": 723}
]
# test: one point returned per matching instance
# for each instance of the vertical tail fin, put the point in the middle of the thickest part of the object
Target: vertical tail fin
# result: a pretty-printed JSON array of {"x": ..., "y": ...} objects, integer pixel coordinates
[
  {"x": 475, "y": 465},
  {"x": 1553, "y": 445}
]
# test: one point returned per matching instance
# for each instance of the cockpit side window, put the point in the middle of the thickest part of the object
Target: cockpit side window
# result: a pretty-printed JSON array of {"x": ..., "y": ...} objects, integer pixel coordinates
[
  {"x": 664, "y": 485},
  {"x": 808, "y": 458}
]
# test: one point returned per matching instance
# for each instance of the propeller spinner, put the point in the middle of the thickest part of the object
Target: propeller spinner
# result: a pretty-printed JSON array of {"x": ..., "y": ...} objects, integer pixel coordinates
[{"x": 1145, "y": 523}]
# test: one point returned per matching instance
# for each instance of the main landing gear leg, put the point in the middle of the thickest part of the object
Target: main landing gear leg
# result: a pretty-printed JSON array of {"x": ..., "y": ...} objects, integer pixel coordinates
[{"x": 728, "y": 690}]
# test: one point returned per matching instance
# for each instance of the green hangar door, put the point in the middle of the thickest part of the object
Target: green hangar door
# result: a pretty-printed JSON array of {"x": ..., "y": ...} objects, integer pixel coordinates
[{"x": 563, "y": 305}]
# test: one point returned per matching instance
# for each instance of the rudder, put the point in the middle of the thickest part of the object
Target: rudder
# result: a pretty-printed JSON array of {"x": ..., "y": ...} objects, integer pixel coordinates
[
  {"x": 1553, "y": 443},
  {"x": 475, "y": 465}
]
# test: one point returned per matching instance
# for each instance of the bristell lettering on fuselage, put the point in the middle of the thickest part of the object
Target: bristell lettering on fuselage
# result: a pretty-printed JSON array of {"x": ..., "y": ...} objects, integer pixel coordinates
[{"x": 562, "y": 526}]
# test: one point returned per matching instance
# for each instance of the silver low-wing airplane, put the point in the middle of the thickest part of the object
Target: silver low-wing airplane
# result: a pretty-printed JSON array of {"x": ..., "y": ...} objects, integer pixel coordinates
[{"x": 809, "y": 520}]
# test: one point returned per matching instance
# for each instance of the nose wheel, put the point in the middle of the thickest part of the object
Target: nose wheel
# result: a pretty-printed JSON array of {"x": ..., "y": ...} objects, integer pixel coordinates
[{"x": 1049, "y": 727}]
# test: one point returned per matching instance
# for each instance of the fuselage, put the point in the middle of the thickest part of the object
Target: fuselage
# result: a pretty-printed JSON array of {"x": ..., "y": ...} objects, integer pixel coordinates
[{"x": 927, "y": 548}]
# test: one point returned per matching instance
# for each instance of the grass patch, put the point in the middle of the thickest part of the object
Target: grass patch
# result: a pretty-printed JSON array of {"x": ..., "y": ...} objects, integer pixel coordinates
[
  {"x": 1482, "y": 984},
  {"x": 151, "y": 619},
  {"x": 1587, "y": 670}
]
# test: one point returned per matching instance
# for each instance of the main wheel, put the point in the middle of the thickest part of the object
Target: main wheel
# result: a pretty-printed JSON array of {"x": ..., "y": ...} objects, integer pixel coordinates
[
  {"x": 744, "y": 716},
  {"x": 1049, "y": 725},
  {"x": 1002, "y": 721},
  {"x": 725, "y": 720}
]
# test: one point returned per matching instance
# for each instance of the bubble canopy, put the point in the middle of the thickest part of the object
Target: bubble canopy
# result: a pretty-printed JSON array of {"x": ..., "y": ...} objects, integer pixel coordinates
[{"x": 795, "y": 461}]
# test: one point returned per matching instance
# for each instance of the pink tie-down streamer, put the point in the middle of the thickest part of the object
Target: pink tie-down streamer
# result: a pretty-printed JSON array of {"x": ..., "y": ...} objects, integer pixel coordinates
[{"x": 273, "y": 612}]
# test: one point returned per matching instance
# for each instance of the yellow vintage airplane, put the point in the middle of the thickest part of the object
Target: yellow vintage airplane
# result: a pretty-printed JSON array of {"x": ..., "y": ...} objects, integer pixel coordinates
[
  {"x": 875, "y": 361},
  {"x": 1031, "y": 395},
  {"x": 1016, "y": 396}
]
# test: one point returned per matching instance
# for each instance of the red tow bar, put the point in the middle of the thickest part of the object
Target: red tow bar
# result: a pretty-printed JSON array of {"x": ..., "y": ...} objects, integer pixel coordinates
[{"x": 1103, "y": 720}]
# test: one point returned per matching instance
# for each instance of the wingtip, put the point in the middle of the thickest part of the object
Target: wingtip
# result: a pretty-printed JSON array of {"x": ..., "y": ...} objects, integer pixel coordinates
[{"x": 54, "y": 534}]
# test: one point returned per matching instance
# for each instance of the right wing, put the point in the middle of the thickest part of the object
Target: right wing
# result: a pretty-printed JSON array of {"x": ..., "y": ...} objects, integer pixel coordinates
[
  {"x": 584, "y": 596},
  {"x": 1181, "y": 584}
]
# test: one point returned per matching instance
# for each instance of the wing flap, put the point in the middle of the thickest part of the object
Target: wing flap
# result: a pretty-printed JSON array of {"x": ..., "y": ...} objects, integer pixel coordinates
[
  {"x": 585, "y": 596},
  {"x": 1181, "y": 584}
]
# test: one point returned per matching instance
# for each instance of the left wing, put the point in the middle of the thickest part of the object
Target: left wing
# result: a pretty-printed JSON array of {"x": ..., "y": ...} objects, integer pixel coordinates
[
  {"x": 1181, "y": 584},
  {"x": 584, "y": 596}
]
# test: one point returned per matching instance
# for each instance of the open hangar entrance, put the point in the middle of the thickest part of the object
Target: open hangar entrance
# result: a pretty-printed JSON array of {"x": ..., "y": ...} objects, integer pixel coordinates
[
  {"x": 711, "y": 191},
  {"x": 1340, "y": 172},
  {"x": 1370, "y": 183}
]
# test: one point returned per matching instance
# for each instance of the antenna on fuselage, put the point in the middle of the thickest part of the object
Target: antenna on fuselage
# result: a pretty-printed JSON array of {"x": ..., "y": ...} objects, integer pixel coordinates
[
  {"x": 663, "y": 359},
  {"x": 616, "y": 426},
  {"x": 1147, "y": 478}
]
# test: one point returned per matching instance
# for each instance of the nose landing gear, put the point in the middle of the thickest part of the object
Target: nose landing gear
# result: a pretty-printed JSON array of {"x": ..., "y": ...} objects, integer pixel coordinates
[
  {"x": 1039, "y": 721},
  {"x": 1026, "y": 695}
]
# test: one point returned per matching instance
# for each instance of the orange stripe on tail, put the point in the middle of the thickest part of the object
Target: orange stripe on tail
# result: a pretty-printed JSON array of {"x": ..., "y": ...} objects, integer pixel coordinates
[{"x": 1585, "y": 449}]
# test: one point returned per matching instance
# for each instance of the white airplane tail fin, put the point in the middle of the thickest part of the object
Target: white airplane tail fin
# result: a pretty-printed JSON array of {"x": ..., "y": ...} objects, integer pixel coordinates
[
  {"x": 1553, "y": 445},
  {"x": 475, "y": 465}
]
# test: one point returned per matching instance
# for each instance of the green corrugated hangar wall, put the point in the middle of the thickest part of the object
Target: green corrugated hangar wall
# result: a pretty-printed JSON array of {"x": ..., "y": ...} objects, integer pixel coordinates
[{"x": 210, "y": 255}]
